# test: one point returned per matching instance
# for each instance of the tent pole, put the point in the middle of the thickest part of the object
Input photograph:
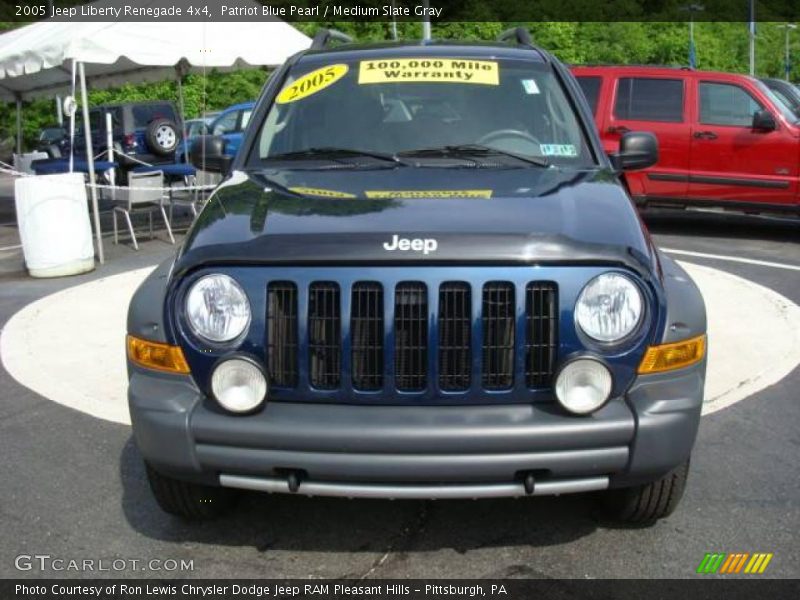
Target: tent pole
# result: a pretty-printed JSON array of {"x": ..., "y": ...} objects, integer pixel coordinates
[
  {"x": 90, "y": 159},
  {"x": 179, "y": 77},
  {"x": 19, "y": 123}
]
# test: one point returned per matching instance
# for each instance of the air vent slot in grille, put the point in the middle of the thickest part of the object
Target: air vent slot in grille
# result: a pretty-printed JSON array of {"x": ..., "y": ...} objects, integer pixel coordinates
[
  {"x": 541, "y": 341},
  {"x": 411, "y": 336},
  {"x": 366, "y": 331},
  {"x": 324, "y": 335},
  {"x": 282, "y": 333},
  {"x": 498, "y": 309},
  {"x": 455, "y": 328}
]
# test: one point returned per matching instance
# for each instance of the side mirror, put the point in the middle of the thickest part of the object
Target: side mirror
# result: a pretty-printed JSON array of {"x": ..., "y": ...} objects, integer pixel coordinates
[
  {"x": 637, "y": 150},
  {"x": 764, "y": 121},
  {"x": 208, "y": 154}
]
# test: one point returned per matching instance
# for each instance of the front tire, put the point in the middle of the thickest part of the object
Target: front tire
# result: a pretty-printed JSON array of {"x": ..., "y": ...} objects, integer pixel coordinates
[
  {"x": 646, "y": 504},
  {"x": 191, "y": 501}
]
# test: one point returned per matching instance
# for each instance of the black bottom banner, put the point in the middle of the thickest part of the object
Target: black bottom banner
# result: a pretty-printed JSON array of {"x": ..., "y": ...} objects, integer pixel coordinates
[{"x": 406, "y": 589}]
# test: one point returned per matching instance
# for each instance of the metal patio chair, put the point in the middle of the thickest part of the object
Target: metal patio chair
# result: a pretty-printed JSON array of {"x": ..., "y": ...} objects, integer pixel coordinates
[{"x": 144, "y": 193}]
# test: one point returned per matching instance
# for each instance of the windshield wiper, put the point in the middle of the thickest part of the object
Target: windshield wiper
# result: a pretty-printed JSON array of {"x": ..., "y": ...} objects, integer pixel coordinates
[
  {"x": 471, "y": 150},
  {"x": 334, "y": 154}
]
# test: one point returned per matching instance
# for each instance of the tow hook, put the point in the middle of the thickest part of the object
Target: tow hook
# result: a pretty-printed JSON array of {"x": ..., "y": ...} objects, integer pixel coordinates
[
  {"x": 530, "y": 484},
  {"x": 293, "y": 481}
]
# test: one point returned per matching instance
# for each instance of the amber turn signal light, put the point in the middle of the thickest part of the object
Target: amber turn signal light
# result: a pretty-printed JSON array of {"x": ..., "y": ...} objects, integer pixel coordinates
[
  {"x": 154, "y": 355},
  {"x": 668, "y": 357}
]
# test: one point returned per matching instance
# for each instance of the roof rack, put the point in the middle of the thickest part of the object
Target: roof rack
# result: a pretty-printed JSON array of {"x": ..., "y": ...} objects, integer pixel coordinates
[
  {"x": 324, "y": 37},
  {"x": 518, "y": 34}
]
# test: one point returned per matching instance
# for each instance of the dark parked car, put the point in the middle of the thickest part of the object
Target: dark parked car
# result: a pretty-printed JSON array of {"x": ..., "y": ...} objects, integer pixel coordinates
[
  {"x": 420, "y": 278},
  {"x": 142, "y": 132}
]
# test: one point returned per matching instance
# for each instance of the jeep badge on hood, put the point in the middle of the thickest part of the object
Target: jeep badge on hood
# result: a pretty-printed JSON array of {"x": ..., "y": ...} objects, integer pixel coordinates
[{"x": 426, "y": 245}]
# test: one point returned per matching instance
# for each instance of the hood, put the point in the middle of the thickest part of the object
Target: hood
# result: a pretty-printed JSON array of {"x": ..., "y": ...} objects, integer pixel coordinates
[{"x": 418, "y": 215}]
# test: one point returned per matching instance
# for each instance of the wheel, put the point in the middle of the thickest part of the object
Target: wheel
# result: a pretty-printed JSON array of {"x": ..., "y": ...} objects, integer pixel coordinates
[
  {"x": 645, "y": 504},
  {"x": 189, "y": 500},
  {"x": 162, "y": 136}
]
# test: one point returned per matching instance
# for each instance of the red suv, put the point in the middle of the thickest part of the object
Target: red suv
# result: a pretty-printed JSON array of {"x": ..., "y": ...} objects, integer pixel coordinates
[{"x": 724, "y": 139}]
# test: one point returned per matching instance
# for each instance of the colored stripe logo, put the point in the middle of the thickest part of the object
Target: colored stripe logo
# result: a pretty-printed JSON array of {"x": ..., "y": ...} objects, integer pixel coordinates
[{"x": 734, "y": 563}]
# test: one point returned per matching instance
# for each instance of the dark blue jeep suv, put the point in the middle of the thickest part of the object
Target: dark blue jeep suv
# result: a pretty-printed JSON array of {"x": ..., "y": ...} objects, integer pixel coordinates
[{"x": 420, "y": 278}]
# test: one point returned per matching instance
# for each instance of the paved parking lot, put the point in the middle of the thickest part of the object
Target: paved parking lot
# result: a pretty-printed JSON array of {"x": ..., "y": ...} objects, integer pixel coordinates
[{"x": 75, "y": 486}]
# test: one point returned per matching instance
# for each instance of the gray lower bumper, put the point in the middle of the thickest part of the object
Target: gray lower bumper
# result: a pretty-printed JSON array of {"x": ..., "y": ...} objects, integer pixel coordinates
[
  {"x": 416, "y": 491},
  {"x": 418, "y": 451}
]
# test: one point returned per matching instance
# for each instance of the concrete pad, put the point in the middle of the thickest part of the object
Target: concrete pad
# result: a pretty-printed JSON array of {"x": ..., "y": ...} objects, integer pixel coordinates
[{"x": 69, "y": 346}]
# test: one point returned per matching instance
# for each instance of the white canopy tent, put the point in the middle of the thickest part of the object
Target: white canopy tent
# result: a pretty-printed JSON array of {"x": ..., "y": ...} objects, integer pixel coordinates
[{"x": 42, "y": 60}]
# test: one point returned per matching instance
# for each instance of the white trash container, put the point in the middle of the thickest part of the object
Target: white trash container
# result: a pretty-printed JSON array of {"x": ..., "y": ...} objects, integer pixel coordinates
[{"x": 53, "y": 220}]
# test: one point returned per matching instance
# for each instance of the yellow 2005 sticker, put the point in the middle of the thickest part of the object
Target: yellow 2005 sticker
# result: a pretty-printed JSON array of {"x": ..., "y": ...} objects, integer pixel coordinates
[
  {"x": 437, "y": 70},
  {"x": 321, "y": 193},
  {"x": 428, "y": 194},
  {"x": 311, "y": 83}
]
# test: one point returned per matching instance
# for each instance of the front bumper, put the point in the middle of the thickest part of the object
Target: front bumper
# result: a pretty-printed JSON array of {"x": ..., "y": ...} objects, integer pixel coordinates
[{"x": 417, "y": 451}]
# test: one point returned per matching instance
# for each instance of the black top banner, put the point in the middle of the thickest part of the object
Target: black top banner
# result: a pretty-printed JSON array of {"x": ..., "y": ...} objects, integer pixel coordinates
[{"x": 402, "y": 10}]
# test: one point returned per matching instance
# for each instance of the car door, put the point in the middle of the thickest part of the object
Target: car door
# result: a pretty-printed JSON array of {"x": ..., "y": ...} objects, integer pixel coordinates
[
  {"x": 655, "y": 103},
  {"x": 730, "y": 160}
]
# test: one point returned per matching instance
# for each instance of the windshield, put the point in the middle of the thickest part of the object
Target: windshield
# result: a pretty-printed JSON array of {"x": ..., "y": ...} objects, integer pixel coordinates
[{"x": 403, "y": 105}]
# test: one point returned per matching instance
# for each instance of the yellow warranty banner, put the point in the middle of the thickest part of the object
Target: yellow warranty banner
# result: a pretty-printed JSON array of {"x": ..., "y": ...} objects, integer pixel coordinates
[
  {"x": 436, "y": 70},
  {"x": 428, "y": 193},
  {"x": 311, "y": 83}
]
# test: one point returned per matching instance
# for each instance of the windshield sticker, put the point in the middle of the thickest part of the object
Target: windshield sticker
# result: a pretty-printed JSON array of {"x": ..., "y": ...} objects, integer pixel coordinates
[
  {"x": 320, "y": 192},
  {"x": 428, "y": 193},
  {"x": 558, "y": 150},
  {"x": 429, "y": 70},
  {"x": 311, "y": 83},
  {"x": 530, "y": 87}
]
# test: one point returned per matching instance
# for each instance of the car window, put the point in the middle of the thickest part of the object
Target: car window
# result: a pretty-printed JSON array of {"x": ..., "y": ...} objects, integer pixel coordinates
[
  {"x": 226, "y": 123},
  {"x": 97, "y": 118},
  {"x": 591, "y": 89},
  {"x": 649, "y": 99},
  {"x": 245, "y": 119},
  {"x": 409, "y": 103},
  {"x": 144, "y": 114},
  {"x": 726, "y": 104}
]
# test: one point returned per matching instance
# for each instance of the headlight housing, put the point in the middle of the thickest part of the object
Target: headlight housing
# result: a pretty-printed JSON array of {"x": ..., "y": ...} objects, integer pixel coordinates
[
  {"x": 217, "y": 308},
  {"x": 583, "y": 385},
  {"x": 238, "y": 385},
  {"x": 609, "y": 308}
]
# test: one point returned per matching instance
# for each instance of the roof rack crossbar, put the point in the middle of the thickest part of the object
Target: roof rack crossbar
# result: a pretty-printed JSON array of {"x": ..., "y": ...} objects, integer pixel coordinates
[
  {"x": 324, "y": 37},
  {"x": 518, "y": 34}
]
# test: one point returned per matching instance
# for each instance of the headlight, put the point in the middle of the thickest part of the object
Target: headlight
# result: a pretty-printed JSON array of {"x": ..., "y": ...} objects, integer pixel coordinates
[
  {"x": 583, "y": 386},
  {"x": 217, "y": 308},
  {"x": 238, "y": 385},
  {"x": 609, "y": 308}
]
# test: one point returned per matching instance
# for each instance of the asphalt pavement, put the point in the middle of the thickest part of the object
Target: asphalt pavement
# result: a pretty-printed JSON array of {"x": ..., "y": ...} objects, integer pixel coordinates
[{"x": 75, "y": 488}]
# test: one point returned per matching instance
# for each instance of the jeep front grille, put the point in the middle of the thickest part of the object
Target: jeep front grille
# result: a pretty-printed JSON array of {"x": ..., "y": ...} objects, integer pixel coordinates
[
  {"x": 455, "y": 334},
  {"x": 324, "y": 335},
  {"x": 411, "y": 337},
  {"x": 366, "y": 331},
  {"x": 282, "y": 333},
  {"x": 541, "y": 319},
  {"x": 498, "y": 320}
]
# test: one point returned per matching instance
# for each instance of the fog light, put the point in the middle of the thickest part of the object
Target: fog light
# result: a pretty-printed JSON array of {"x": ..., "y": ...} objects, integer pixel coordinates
[
  {"x": 238, "y": 385},
  {"x": 583, "y": 386}
]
